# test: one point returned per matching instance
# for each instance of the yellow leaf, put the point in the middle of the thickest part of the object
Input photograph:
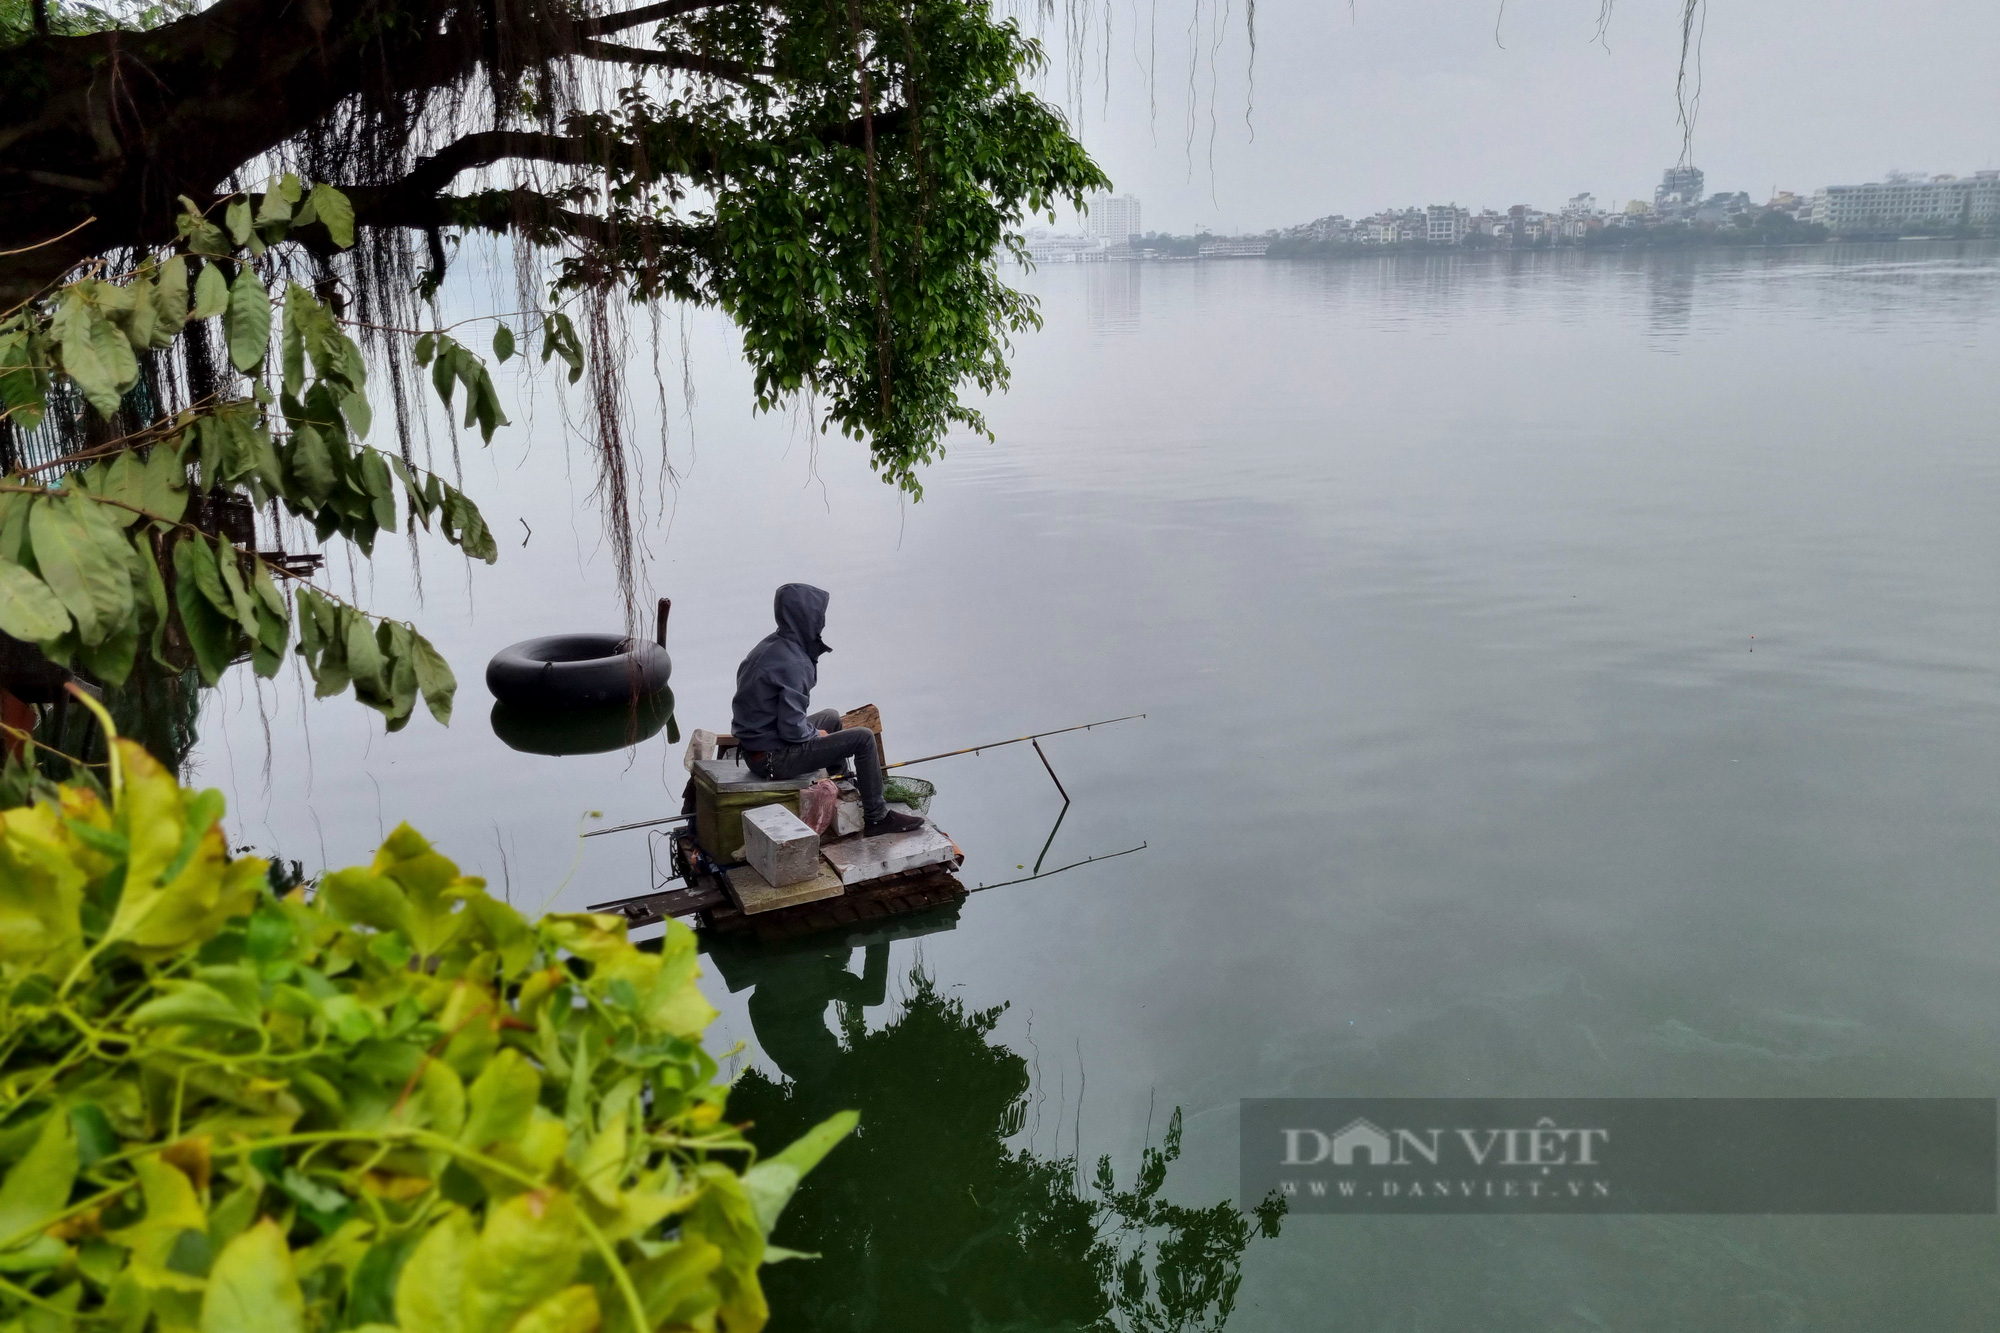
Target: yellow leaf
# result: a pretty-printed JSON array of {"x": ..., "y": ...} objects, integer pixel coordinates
[
  {"x": 41, "y": 889},
  {"x": 528, "y": 1252},
  {"x": 171, "y": 1208},
  {"x": 430, "y": 1293},
  {"x": 37, "y": 1186},
  {"x": 603, "y": 1165},
  {"x": 252, "y": 1288},
  {"x": 571, "y": 1310},
  {"x": 205, "y": 891},
  {"x": 502, "y": 1100}
]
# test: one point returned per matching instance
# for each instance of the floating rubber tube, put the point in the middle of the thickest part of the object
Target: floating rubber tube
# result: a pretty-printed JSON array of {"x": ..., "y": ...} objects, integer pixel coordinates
[{"x": 577, "y": 671}]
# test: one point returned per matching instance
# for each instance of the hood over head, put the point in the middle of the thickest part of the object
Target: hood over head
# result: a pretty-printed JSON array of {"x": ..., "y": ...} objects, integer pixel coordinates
[{"x": 800, "y": 609}]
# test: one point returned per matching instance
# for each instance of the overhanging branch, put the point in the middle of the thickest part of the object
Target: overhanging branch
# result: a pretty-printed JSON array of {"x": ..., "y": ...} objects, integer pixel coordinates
[
  {"x": 691, "y": 61},
  {"x": 603, "y": 24}
]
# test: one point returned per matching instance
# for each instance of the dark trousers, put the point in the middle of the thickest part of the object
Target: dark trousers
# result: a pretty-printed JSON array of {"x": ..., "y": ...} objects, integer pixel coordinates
[{"x": 832, "y": 752}]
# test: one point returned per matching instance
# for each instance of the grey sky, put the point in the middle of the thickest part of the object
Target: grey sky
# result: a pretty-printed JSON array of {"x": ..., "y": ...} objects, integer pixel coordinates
[{"x": 1412, "y": 102}]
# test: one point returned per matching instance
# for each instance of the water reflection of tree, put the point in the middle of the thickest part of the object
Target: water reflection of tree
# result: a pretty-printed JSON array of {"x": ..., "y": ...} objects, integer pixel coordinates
[{"x": 928, "y": 1219}]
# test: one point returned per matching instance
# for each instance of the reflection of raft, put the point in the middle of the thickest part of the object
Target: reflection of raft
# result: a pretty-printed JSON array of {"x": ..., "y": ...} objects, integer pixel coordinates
[{"x": 859, "y": 879}]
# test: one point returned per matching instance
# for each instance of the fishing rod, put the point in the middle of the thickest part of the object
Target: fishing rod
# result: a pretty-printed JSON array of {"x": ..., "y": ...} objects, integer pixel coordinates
[
  {"x": 644, "y": 823},
  {"x": 1088, "y": 860},
  {"x": 971, "y": 749},
  {"x": 994, "y": 745}
]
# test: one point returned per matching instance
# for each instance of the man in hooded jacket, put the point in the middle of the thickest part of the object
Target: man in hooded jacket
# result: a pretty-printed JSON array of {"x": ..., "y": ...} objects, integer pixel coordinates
[{"x": 777, "y": 735}]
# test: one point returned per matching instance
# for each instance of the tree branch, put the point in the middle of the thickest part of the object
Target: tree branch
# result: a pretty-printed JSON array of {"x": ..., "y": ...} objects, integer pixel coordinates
[
  {"x": 505, "y": 211},
  {"x": 688, "y": 60},
  {"x": 604, "y": 24}
]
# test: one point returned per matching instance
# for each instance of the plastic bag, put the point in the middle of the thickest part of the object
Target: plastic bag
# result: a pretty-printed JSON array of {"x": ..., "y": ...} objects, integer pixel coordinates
[
  {"x": 817, "y": 804},
  {"x": 701, "y": 745}
]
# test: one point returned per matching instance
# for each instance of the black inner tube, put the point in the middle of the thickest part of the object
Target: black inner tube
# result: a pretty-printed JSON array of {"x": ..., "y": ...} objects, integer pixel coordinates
[{"x": 563, "y": 671}]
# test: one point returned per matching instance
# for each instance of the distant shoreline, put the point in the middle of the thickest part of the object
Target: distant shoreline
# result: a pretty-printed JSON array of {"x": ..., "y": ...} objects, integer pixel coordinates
[{"x": 1355, "y": 253}]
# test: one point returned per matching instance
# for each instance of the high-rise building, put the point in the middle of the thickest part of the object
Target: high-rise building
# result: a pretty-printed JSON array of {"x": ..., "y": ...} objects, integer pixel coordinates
[
  {"x": 1445, "y": 224},
  {"x": 1679, "y": 188},
  {"x": 1113, "y": 219},
  {"x": 1968, "y": 201}
]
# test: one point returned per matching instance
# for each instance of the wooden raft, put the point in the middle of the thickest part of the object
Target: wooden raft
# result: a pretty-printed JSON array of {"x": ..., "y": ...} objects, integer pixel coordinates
[{"x": 707, "y": 899}]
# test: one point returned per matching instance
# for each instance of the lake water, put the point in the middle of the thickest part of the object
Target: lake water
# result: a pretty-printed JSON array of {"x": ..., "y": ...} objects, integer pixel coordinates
[{"x": 1565, "y": 675}]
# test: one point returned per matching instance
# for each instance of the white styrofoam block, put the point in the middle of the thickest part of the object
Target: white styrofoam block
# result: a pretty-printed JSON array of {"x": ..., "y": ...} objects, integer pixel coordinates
[
  {"x": 847, "y": 816},
  {"x": 859, "y": 859},
  {"x": 779, "y": 845}
]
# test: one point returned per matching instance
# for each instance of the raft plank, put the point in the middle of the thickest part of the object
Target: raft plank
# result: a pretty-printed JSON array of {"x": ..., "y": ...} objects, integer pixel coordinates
[{"x": 755, "y": 895}]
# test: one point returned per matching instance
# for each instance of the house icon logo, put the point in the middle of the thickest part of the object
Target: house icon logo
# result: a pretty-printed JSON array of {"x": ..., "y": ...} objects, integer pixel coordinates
[{"x": 1360, "y": 1136}]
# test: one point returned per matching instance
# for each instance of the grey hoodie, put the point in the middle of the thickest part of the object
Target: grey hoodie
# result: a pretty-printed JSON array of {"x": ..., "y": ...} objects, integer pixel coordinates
[{"x": 775, "y": 682}]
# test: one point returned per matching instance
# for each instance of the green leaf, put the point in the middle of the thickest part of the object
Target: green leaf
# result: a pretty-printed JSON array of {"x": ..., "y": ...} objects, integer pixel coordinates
[
  {"x": 82, "y": 559},
  {"x": 771, "y": 1182},
  {"x": 413, "y": 493},
  {"x": 95, "y": 352},
  {"x": 426, "y": 343},
  {"x": 399, "y": 675},
  {"x": 248, "y": 321},
  {"x": 292, "y": 340},
  {"x": 37, "y": 1187},
  {"x": 253, "y": 1287},
  {"x": 24, "y": 378},
  {"x": 111, "y": 661},
  {"x": 503, "y": 342},
  {"x": 170, "y": 302},
  {"x": 123, "y": 478},
  {"x": 240, "y": 603},
  {"x": 501, "y": 1100},
  {"x": 444, "y": 370},
  {"x": 14, "y": 544},
  {"x": 200, "y": 565},
  {"x": 434, "y": 678},
  {"x": 210, "y": 633},
  {"x": 559, "y": 339},
  {"x": 334, "y": 211},
  {"x": 203, "y": 236},
  {"x": 237, "y": 218},
  {"x": 359, "y": 415},
  {"x": 190, "y": 1004},
  {"x": 464, "y": 524},
  {"x": 163, "y": 484},
  {"x": 211, "y": 292},
  {"x": 95, "y": 1139},
  {"x": 267, "y": 592},
  {"x": 137, "y": 313},
  {"x": 154, "y": 587},
  {"x": 276, "y": 205},
  {"x": 312, "y": 465},
  {"x": 381, "y": 488},
  {"x": 28, "y": 610}
]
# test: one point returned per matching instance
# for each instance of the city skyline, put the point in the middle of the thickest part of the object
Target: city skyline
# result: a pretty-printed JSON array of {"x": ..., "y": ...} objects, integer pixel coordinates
[
  {"x": 1679, "y": 196},
  {"x": 1347, "y": 108}
]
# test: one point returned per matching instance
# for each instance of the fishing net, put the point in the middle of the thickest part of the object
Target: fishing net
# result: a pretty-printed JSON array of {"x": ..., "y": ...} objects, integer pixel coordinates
[{"x": 913, "y": 792}]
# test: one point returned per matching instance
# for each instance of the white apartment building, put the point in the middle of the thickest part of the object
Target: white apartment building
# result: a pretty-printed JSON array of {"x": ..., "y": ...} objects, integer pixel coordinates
[
  {"x": 1045, "y": 247},
  {"x": 1234, "y": 247},
  {"x": 1113, "y": 219},
  {"x": 1446, "y": 224},
  {"x": 1883, "y": 205}
]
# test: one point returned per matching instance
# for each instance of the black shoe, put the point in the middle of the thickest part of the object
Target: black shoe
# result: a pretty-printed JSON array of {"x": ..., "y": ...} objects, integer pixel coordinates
[{"x": 892, "y": 822}]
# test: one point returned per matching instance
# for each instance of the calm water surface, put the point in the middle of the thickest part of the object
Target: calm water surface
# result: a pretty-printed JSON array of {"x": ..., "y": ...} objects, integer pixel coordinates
[{"x": 1566, "y": 675}]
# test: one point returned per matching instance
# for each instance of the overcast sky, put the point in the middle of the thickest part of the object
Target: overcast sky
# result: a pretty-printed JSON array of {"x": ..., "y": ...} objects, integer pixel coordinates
[{"x": 1401, "y": 102}]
